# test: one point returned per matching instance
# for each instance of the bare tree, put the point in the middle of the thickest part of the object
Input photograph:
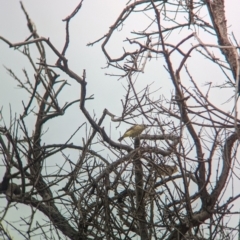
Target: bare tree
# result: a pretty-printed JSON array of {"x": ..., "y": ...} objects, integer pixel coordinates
[{"x": 177, "y": 180}]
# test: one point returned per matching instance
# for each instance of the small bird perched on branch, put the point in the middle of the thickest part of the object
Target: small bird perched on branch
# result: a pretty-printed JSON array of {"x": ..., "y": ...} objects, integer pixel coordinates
[
  {"x": 134, "y": 131},
  {"x": 166, "y": 170},
  {"x": 163, "y": 170}
]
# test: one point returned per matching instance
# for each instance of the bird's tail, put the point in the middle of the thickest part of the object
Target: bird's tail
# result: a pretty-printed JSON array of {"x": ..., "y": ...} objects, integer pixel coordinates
[{"x": 120, "y": 139}]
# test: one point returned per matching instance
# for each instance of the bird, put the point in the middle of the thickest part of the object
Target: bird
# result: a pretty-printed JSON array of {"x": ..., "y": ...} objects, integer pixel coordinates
[
  {"x": 164, "y": 170},
  {"x": 133, "y": 131}
]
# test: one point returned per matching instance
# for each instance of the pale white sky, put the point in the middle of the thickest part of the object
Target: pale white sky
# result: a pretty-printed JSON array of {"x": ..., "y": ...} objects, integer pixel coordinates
[{"x": 91, "y": 23}]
